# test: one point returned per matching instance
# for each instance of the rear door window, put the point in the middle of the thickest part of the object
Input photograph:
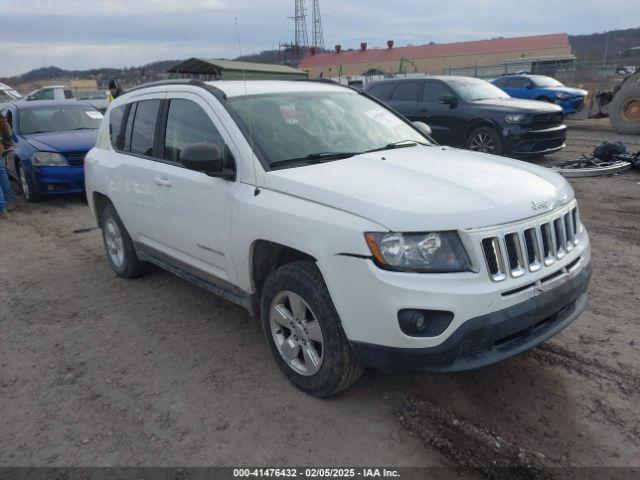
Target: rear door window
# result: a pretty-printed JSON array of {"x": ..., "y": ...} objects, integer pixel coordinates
[
  {"x": 406, "y": 92},
  {"x": 144, "y": 127},
  {"x": 188, "y": 123},
  {"x": 518, "y": 82},
  {"x": 433, "y": 90}
]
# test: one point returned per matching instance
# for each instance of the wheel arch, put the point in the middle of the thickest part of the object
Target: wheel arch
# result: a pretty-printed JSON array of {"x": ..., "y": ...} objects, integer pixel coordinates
[
  {"x": 100, "y": 202},
  {"x": 265, "y": 256},
  {"x": 480, "y": 122}
]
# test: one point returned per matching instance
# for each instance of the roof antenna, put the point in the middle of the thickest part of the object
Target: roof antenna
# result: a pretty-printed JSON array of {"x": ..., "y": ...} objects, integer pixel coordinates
[{"x": 256, "y": 190}]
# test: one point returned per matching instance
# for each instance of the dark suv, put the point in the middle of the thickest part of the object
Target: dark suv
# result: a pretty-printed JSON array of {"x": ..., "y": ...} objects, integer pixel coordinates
[{"x": 472, "y": 113}]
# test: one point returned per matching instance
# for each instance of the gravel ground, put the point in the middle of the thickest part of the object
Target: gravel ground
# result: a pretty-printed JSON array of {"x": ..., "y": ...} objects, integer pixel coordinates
[{"x": 96, "y": 370}]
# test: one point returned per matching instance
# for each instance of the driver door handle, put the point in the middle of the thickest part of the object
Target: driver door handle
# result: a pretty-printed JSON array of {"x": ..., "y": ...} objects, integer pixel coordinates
[{"x": 163, "y": 181}]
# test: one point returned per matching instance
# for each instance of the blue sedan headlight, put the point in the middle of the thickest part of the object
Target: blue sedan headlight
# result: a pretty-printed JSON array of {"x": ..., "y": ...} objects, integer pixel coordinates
[
  {"x": 562, "y": 96},
  {"x": 48, "y": 159}
]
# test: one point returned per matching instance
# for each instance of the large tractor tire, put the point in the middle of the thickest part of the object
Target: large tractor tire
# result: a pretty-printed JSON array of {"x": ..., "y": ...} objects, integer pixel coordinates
[{"x": 624, "y": 111}]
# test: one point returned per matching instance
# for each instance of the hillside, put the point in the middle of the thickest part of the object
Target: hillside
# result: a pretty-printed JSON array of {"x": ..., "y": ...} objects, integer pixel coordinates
[{"x": 591, "y": 48}]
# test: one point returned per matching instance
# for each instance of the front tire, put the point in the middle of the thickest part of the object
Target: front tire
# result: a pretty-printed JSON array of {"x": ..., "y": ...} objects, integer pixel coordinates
[
  {"x": 27, "y": 189},
  {"x": 304, "y": 331},
  {"x": 624, "y": 112},
  {"x": 486, "y": 140},
  {"x": 119, "y": 246}
]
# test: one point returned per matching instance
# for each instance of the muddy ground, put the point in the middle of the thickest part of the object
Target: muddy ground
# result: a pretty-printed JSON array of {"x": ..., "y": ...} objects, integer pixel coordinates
[{"x": 96, "y": 370}]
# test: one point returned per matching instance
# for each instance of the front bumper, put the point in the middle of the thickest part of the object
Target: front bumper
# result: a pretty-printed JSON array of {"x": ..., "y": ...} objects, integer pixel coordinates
[
  {"x": 571, "y": 105},
  {"x": 58, "y": 180},
  {"x": 522, "y": 141},
  {"x": 488, "y": 338}
]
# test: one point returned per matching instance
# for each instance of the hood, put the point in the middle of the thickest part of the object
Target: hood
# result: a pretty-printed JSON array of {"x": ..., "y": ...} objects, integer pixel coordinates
[
  {"x": 69, "y": 141},
  {"x": 518, "y": 105},
  {"x": 426, "y": 188}
]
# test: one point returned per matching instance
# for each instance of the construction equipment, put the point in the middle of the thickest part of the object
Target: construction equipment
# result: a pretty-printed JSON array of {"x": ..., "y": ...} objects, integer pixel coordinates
[
  {"x": 621, "y": 105},
  {"x": 402, "y": 68}
]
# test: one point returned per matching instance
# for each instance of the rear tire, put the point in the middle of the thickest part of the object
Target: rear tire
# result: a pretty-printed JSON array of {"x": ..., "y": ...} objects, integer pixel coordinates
[
  {"x": 486, "y": 140},
  {"x": 119, "y": 246},
  {"x": 624, "y": 112},
  {"x": 304, "y": 331}
]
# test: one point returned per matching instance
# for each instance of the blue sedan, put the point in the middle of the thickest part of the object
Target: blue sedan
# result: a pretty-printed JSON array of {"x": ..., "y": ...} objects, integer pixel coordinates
[
  {"x": 50, "y": 139},
  {"x": 541, "y": 87}
]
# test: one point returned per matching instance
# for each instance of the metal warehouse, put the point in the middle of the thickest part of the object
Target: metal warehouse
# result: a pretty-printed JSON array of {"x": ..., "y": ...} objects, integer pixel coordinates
[
  {"x": 203, "y": 69},
  {"x": 434, "y": 58}
]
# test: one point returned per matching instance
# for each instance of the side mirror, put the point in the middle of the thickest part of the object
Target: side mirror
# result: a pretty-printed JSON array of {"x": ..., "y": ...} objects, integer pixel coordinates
[
  {"x": 448, "y": 99},
  {"x": 528, "y": 86},
  {"x": 423, "y": 127},
  {"x": 206, "y": 158}
]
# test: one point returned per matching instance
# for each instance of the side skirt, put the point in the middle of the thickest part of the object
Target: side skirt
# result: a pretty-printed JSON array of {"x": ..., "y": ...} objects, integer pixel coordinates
[{"x": 244, "y": 300}]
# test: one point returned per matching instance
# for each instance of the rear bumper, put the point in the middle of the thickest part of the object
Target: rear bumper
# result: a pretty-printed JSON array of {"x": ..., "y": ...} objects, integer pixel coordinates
[
  {"x": 489, "y": 338},
  {"x": 535, "y": 142}
]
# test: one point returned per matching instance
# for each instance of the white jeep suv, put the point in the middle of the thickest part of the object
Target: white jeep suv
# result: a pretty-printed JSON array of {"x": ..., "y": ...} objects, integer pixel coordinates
[{"x": 357, "y": 239}]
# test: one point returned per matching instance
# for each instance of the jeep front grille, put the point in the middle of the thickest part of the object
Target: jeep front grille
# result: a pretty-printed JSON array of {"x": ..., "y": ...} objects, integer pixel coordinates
[{"x": 532, "y": 247}]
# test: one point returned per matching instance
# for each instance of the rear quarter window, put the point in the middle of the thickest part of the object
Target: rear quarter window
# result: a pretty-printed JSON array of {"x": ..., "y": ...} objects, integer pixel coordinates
[
  {"x": 380, "y": 91},
  {"x": 115, "y": 126}
]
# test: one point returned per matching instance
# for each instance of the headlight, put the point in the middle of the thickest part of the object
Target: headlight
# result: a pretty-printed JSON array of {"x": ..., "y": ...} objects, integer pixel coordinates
[
  {"x": 562, "y": 96},
  {"x": 48, "y": 159},
  {"x": 419, "y": 252},
  {"x": 517, "y": 118}
]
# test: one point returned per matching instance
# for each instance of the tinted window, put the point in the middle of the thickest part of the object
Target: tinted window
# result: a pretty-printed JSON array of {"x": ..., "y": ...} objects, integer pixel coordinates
[
  {"x": 68, "y": 94},
  {"x": 129, "y": 128},
  {"x": 433, "y": 90},
  {"x": 500, "y": 82},
  {"x": 144, "y": 127},
  {"x": 187, "y": 124},
  {"x": 518, "y": 82},
  {"x": 379, "y": 91},
  {"x": 115, "y": 123},
  {"x": 406, "y": 91}
]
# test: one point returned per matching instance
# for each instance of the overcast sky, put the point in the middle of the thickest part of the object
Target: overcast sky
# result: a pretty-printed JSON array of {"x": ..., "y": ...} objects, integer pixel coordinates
[{"x": 79, "y": 34}]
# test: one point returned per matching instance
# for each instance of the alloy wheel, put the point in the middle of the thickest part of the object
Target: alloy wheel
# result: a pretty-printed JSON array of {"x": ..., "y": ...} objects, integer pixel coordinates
[
  {"x": 482, "y": 142},
  {"x": 296, "y": 333},
  {"x": 113, "y": 242},
  {"x": 25, "y": 184}
]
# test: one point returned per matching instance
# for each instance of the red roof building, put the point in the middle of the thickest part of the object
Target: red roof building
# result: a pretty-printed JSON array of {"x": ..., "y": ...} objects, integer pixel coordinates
[{"x": 435, "y": 58}]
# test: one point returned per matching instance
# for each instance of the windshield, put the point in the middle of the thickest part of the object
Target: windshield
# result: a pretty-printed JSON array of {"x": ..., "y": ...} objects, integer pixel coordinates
[
  {"x": 472, "y": 89},
  {"x": 546, "y": 82},
  {"x": 59, "y": 119},
  {"x": 289, "y": 126}
]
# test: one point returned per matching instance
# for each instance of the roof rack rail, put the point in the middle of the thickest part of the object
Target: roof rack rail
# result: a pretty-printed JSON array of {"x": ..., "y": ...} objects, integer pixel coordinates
[{"x": 182, "y": 81}]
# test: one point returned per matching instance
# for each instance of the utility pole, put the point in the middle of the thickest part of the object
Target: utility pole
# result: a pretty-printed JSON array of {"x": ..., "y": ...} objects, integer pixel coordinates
[{"x": 318, "y": 36}]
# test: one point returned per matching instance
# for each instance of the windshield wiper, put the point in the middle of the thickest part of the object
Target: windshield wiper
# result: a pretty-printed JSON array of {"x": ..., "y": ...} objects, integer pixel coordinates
[
  {"x": 398, "y": 144},
  {"x": 314, "y": 158}
]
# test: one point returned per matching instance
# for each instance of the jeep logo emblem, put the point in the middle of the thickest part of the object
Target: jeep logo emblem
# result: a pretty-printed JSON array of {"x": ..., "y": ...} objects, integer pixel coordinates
[{"x": 542, "y": 204}]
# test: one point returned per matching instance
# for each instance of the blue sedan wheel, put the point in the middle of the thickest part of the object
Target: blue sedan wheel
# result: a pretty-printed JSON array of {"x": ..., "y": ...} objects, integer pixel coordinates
[{"x": 27, "y": 191}]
